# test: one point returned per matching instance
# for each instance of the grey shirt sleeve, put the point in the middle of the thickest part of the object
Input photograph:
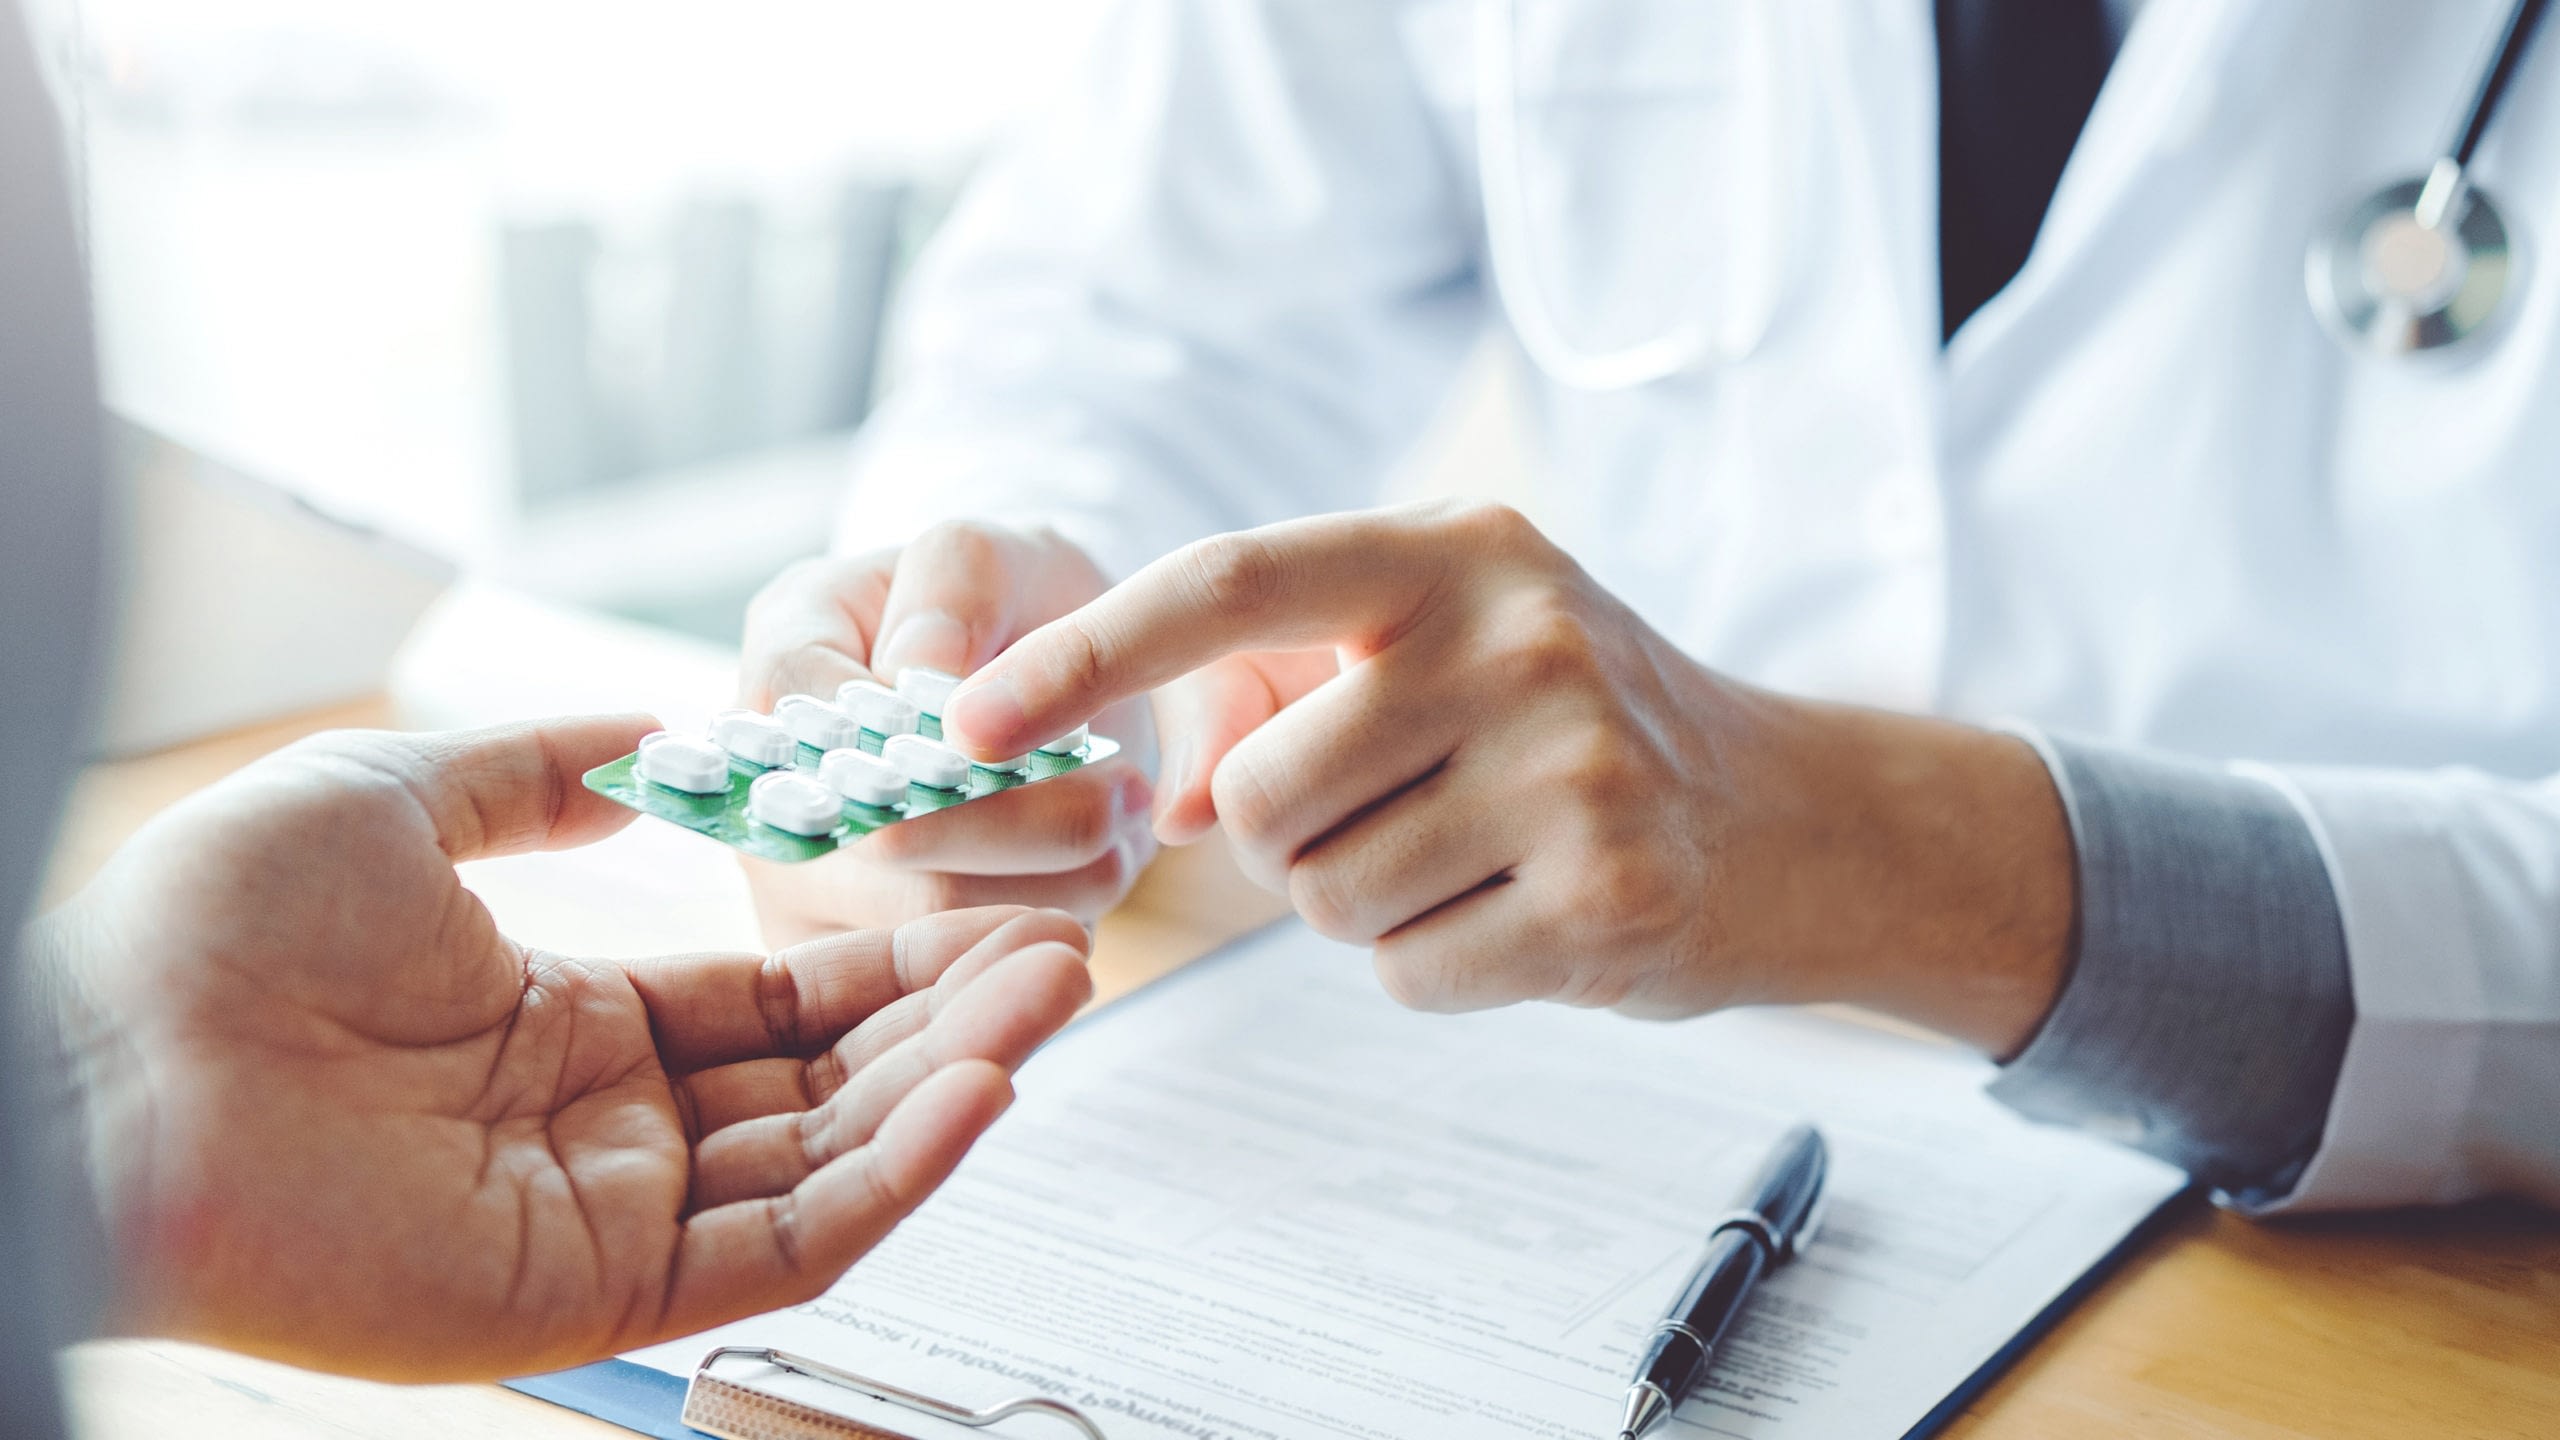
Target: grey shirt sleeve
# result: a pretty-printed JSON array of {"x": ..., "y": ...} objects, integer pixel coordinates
[{"x": 2208, "y": 1004}]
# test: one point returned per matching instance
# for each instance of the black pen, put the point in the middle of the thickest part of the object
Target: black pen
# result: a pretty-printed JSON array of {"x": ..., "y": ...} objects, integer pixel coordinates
[{"x": 1778, "y": 1216}]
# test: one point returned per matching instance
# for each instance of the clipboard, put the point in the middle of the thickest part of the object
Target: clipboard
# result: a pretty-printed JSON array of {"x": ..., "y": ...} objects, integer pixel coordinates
[
  {"x": 722, "y": 1402},
  {"x": 727, "y": 1393}
]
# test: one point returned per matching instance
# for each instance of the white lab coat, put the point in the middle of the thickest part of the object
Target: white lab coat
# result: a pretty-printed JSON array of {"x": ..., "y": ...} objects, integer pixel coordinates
[{"x": 2141, "y": 497}]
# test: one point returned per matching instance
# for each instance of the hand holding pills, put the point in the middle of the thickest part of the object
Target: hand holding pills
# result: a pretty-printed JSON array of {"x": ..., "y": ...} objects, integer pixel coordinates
[
  {"x": 846, "y": 627},
  {"x": 1440, "y": 737}
]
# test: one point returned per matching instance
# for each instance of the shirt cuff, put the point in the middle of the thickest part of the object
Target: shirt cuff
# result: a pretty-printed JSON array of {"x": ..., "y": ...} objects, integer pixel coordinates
[{"x": 2209, "y": 1001}]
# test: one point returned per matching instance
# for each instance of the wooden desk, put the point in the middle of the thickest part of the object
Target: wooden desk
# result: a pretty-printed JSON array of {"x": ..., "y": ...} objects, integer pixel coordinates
[{"x": 2398, "y": 1326}]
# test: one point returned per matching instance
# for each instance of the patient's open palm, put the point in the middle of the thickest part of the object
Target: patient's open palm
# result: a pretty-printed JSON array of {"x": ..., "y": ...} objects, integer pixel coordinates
[{"x": 345, "y": 1121}]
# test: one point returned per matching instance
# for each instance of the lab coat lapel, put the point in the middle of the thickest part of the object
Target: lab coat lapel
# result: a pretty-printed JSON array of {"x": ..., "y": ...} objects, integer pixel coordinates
[{"x": 2173, "y": 79}]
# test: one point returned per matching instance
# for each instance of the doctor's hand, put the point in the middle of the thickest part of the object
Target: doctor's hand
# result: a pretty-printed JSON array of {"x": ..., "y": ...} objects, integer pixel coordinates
[
  {"x": 335, "y": 1117},
  {"x": 950, "y": 601},
  {"x": 1440, "y": 738}
]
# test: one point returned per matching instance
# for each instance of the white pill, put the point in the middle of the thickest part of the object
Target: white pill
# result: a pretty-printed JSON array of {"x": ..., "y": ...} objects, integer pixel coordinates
[
  {"x": 813, "y": 721},
  {"x": 1071, "y": 743},
  {"x": 929, "y": 763},
  {"x": 1019, "y": 764},
  {"x": 879, "y": 709},
  {"x": 930, "y": 689},
  {"x": 680, "y": 762},
  {"x": 788, "y": 800},
  {"x": 863, "y": 779},
  {"x": 756, "y": 739}
]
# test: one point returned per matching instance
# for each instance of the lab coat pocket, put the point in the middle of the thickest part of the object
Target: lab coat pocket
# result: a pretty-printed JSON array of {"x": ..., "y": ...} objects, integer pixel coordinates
[{"x": 1635, "y": 158}]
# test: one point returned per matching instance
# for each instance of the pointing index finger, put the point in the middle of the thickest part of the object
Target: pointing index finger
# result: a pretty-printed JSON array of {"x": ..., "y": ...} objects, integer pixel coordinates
[{"x": 1332, "y": 579}]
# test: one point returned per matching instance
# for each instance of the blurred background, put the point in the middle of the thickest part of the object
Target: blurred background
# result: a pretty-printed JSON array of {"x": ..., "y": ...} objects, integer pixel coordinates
[
  {"x": 549, "y": 321},
  {"x": 535, "y": 286}
]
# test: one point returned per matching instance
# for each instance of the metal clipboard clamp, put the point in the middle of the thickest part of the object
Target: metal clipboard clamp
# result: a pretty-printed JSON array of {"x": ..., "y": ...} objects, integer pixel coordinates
[{"x": 728, "y": 1407}]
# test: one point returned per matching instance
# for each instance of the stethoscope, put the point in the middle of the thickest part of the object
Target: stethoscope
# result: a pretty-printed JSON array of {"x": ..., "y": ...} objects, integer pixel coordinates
[
  {"x": 1689, "y": 345},
  {"x": 2426, "y": 263},
  {"x": 2419, "y": 265}
]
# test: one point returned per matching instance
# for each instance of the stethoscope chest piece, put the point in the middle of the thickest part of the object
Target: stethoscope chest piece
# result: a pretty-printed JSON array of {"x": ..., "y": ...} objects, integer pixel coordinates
[
  {"x": 2386, "y": 281},
  {"x": 2428, "y": 263}
]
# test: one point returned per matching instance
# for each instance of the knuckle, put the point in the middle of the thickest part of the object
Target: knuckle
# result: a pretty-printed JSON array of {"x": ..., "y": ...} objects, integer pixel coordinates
[
  {"x": 1596, "y": 767},
  {"x": 778, "y": 1001},
  {"x": 373, "y": 767},
  {"x": 1245, "y": 804},
  {"x": 1618, "y": 890},
  {"x": 1417, "y": 979},
  {"x": 1491, "y": 525},
  {"x": 1593, "y": 987},
  {"x": 1083, "y": 661},
  {"x": 1550, "y": 646},
  {"x": 813, "y": 1137},
  {"x": 881, "y": 1196},
  {"x": 1327, "y": 899},
  {"x": 1239, "y": 574},
  {"x": 825, "y": 1075},
  {"x": 973, "y": 547},
  {"x": 783, "y": 1221}
]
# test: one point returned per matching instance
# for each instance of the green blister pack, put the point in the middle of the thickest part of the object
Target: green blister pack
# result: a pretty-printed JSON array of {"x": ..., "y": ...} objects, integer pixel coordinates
[{"x": 764, "y": 785}]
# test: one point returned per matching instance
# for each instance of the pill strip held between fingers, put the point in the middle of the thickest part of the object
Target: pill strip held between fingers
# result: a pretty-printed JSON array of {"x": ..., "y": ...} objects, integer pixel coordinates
[{"x": 820, "y": 773}]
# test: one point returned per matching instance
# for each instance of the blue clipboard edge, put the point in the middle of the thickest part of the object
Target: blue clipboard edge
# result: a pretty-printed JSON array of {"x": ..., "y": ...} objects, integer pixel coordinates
[
  {"x": 651, "y": 1401},
  {"x": 617, "y": 1392},
  {"x": 2170, "y": 1211}
]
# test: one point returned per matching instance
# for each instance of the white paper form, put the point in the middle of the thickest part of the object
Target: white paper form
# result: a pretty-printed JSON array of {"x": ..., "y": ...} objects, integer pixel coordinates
[{"x": 1264, "y": 1203}]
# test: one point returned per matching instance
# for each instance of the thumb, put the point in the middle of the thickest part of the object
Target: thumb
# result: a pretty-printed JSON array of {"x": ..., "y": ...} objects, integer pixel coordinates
[
  {"x": 509, "y": 788},
  {"x": 1208, "y": 712},
  {"x": 950, "y": 603}
]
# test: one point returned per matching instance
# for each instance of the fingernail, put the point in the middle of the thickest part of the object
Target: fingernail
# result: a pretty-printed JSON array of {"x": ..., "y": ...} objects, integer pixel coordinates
[
  {"x": 988, "y": 714},
  {"x": 930, "y": 637},
  {"x": 1178, "y": 760}
]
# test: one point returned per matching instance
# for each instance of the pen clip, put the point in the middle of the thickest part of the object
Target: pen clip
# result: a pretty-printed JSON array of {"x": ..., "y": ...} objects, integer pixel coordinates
[{"x": 1812, "y": 1226}]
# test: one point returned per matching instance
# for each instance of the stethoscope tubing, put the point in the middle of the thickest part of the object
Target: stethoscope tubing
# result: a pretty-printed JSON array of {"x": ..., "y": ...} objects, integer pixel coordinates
[
  {"x": 2524, "y": 19},
  {"x": 1512, "y": 252}
]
